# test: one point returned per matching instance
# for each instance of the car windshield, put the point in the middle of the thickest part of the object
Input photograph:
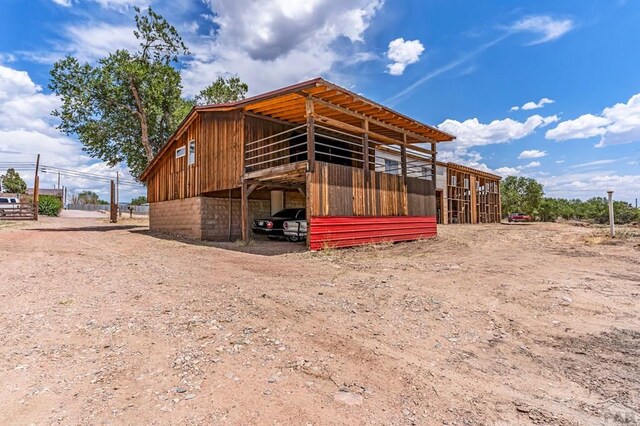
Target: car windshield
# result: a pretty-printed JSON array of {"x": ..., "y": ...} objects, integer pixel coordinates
[{"x": 287, "y": 213}]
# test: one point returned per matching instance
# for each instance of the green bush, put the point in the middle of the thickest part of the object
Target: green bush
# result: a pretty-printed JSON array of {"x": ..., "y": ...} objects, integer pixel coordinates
[{"x": 49, "y": 205}]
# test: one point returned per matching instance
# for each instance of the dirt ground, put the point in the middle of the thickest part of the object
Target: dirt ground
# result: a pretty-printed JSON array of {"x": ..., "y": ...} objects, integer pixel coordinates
[{"x": 488, "y": 324}]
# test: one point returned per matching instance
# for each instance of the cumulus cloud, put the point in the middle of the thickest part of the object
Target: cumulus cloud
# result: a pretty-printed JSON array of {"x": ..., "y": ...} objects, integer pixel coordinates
[
  {"x": 532, "y": 153},
  {"x": 532, "y": 165},
  {"x": 471, "y": 132},
  {"x": 65, "y": 3},
  {"x": 533, "y": 105},
  {"x": 27, "y": 128},
  {"x": 287, "y": 42},
  {"x": 546, "y": 27},
  {"x": 403, "y": 53},
  {"x": 616, "y": 125}
]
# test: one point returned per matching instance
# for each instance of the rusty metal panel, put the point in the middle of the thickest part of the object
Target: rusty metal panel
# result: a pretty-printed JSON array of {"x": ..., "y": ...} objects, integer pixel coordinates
[{"x": 348, "y": 231}]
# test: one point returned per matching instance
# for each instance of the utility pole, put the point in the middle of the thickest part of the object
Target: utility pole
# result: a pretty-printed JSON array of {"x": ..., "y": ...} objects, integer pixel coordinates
[
  {"x": 113, "y": 214},
  {"x": 58, "y": 180},
  {"x": 118, "y": 193},
  {"x": 36, "y": 189},
  {"x": 612, "y": 230}
]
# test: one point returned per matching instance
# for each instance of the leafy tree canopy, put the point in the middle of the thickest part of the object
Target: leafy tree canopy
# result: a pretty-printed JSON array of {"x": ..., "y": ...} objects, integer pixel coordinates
[
  {"x": 89, "y": 197},
  {"x": 520, "y": 194},
  {"x": 12, "y": 182},
  {"x": 138, "y": 201},
  {"x": 222, "y": 90},
  {"x": 126, "y": 105}
]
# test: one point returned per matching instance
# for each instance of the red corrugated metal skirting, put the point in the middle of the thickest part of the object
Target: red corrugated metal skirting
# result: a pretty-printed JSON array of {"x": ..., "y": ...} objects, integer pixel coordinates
[{"x": 348, "y": 231}]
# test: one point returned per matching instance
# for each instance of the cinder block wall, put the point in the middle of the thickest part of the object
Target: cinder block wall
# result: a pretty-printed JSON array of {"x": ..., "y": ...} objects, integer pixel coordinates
[
  {"x": 204, "y": 218},
  {"x": 181, "y": 217},
  {"x": 215, "y": 217}
]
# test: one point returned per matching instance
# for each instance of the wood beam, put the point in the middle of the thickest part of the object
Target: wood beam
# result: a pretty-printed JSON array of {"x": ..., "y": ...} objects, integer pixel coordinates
[
  {"x": 267, "y": 118},
  {"x": 311, "y": 137},
  {"x": 434, "y": 165},
  {"x": 403, "y": 158},
  {"x": 371, "y": 120},
  {"x": 355, "y": 130}
]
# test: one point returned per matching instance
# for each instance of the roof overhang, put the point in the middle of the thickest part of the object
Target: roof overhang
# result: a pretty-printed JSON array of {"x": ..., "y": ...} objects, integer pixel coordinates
[{"x": 331, "y": 104}]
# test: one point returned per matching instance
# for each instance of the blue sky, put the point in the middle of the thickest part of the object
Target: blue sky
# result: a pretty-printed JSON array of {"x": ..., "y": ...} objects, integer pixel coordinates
[{"x": 545, "y": 89}]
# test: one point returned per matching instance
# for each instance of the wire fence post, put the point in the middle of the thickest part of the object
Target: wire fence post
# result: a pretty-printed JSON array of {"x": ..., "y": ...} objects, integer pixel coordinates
[{"x": 612, "y": 229}]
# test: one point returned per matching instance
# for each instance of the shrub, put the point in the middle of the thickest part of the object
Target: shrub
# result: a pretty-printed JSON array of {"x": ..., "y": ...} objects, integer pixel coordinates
[{"x": 49, "y": 205}]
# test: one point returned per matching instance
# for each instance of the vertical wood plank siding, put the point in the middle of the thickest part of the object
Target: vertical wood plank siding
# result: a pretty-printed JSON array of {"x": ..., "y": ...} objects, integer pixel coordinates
[
  {"x": 341, "y": 191},
  {"x": 218, "y": 164}
]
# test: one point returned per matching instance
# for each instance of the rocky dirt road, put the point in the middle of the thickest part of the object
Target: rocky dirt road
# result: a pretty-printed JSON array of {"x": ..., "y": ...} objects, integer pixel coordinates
[{"x": 499, "y": 324}]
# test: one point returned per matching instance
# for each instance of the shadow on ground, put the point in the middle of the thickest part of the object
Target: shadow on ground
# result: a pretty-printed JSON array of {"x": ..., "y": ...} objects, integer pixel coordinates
[
  {"x": 259, "y": 246},
  {"x": 96, "y": 228}
]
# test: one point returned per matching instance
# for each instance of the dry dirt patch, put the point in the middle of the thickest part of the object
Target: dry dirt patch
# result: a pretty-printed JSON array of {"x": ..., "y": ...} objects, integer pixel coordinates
[{"x": 485, "y": 324}]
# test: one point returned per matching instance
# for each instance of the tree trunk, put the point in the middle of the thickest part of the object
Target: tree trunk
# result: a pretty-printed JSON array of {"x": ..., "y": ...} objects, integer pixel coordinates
[{"x": 144, "y": 127}]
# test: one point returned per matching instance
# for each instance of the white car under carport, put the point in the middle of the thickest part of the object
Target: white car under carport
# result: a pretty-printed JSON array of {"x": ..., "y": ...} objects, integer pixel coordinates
[{"x": 295, "y": 230}]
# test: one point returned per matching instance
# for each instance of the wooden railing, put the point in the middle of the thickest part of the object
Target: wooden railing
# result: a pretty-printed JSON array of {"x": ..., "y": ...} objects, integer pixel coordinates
[{"x": 17, "y": 211}]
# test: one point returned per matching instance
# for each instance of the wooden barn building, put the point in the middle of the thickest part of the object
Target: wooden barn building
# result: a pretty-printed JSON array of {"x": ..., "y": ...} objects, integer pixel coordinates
[{"x": 314, "y": 145}]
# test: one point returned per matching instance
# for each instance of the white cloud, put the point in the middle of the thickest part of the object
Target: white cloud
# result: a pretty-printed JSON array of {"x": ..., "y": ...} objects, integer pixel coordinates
[
  {"x": 508, "y": 171},
  {"x": 546, "y": 27},
  {"x": 471, "y": 132},
  {"x": 94, "y": 40},
  {"x": 531, "y": 165},
  {"x": 286, "y": 41},
  {"x": 533, "y": 105},
  {"x": 65, "y": 3},
  {"x": 403, "y": 53},
  {"x": 593, "y": 163},
  {"x": 592, "y": 184},
  {"x": 532, "y": 153},
  {"x": 27, "y": 129},
  {"x": 619, "y": 124}
]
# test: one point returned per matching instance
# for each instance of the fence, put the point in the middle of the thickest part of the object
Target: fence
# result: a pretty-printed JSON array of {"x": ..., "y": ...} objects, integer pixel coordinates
[
  {"x": 17, "y": 211},
  {"x": 124, "y": 208}
]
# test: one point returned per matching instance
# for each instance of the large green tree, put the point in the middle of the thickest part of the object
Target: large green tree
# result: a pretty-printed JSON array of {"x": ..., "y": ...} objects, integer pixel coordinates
[
  {"x": 222, "y": 90},
  {"x": 12, "y": 182},
  {"x": 123, "y": 108},
  {"x": 520, "y": 194}
]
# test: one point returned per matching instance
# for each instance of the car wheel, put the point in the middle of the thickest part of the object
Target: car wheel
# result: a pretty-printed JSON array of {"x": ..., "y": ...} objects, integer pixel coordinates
[
  {"x": 294, "y": 238},
  {"x": 2, "y": 213}
]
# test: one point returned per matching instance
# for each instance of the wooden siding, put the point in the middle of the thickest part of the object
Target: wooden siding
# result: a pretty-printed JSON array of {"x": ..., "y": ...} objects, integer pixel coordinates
[
  {"x": 218, "y": 163},
  {"x": 341, "y": 191}
]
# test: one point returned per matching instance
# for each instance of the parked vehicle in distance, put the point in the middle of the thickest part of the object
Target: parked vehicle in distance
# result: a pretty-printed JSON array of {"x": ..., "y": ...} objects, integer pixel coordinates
[
  {"x": 519, "y": 217},
  {"x": 7, "y": 204},
  {"x": 295, "y": 230},
  {"x": 272, "y": 226}
]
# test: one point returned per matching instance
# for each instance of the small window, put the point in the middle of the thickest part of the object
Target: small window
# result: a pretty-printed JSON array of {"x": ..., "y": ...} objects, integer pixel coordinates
[
  {"x": 4, "y": 200},
  {"x": 192, "y": 152},
  {"x": 454, "y": 181},
  {"x": 426, "y": 172},
  {"x": 181, "y": 152},
  {"x": 466, "y": 183}
]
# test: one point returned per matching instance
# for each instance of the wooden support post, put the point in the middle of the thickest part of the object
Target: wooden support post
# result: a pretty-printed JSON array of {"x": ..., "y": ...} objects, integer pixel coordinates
[
  {"x": 612, "y": 229},
  {"x": 403, "y": 158},
  {"x": 244, "y": 208},
  {"x": 434, "y": 170},
  {"x": 311, "y": 137},
  {"x": 309, "y": 205},
  {"x": 113, "y": 216},
  {"x": 365, "y": 144},
  {"x": 365, "y": 165},
  {"x": 246, "y": 189}
]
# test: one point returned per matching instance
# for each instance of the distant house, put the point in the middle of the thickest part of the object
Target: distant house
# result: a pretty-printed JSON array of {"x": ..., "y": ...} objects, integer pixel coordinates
[
  {"x": 44, "y": 191},
  {"x": 314, "y": 145}
]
